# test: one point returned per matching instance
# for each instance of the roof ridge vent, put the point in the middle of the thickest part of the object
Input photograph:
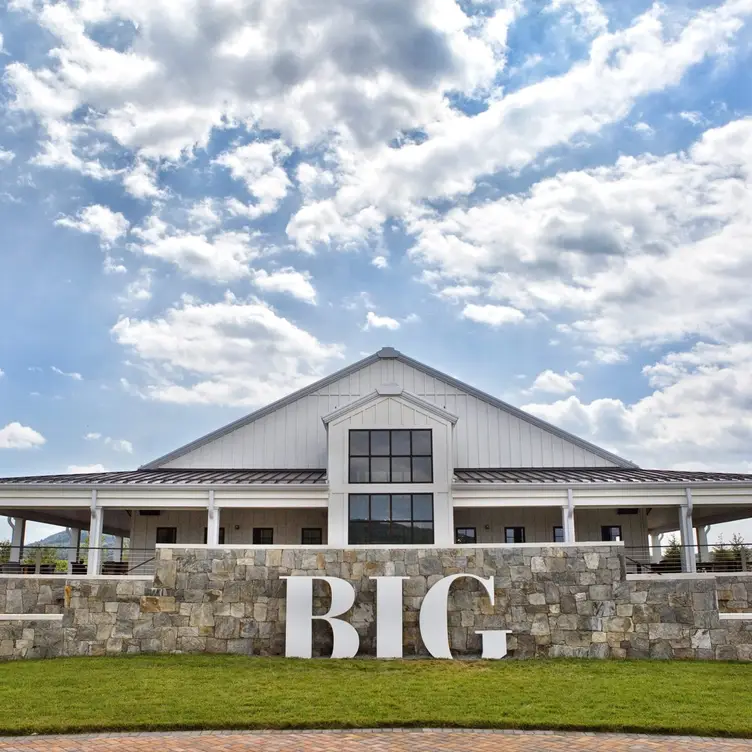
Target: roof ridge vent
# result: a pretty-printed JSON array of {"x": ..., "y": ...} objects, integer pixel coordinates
[{"x": 387, "y": 352}]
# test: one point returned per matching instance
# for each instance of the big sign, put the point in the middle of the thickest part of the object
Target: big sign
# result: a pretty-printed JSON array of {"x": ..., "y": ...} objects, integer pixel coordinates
[{"x": 433, "y": 618}]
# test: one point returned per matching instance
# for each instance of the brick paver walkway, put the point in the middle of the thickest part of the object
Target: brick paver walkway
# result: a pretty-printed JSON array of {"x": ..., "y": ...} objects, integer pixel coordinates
[{"x": 394, "y": 740}]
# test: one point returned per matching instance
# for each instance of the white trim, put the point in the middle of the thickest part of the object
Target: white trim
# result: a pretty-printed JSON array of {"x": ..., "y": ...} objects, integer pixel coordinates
[
  {"x": 672, "y": 576},
  {"x": 390, "y": 393},
  {"x": 31, "y": 617},
  {"x": 420, "y": 546},
  {"x": 736, "y": 617},
  {"x": 77, "y": 577}
]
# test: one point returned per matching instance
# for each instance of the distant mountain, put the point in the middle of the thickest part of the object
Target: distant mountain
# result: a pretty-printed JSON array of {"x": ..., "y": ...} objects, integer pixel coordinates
[{"x": 61, "y": 540}]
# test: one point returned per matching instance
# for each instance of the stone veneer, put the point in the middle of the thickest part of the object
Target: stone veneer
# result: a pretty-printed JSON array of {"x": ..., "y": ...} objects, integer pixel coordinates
[{"x": 558, "y": 601}]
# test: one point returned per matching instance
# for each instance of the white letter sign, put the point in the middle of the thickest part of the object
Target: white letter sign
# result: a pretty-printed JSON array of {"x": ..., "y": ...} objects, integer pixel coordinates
[
  {"x": 299, "y": 626},
  {"x": 389, "y": 616}
]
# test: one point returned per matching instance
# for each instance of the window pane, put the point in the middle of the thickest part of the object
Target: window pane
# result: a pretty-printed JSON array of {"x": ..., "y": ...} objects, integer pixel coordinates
[
  {"x": 358, "y": 533},
  {"x": 558, "y": 534},
  {"x": 359, "y": 507},
  {"x": 465, "y": 535},
  {"x": 380, "y": 507},
  {"x": 422, "y": 507},
  {"x": 311, "y": 536},
  {"x": 263, "y": 536},
  {"x": 378, "y": 532},
  {"x": 359, "y": 470},
  {"x": 400, "y": 469},
  {"x": 167, "y": 535},
  {"x": 611, "y": 533},
  {"x": 380, "y": 470},
  {"x": 401, "y": 507},
  {"x": 400, "y": 532},
  {"x": 359, "y": 443},
  {"x": 514, "y": 534},
  {"x": 421, "y": 442},
  {"x": 421, "y": 469},
  {"x": 423, "y": 532},
  {"x": 401, "y": 442},
  {"x": 379, "y": 442}
]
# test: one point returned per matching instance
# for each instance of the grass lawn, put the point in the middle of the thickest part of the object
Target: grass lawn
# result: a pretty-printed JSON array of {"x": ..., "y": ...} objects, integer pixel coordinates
[{"x": 189, "y": 692}]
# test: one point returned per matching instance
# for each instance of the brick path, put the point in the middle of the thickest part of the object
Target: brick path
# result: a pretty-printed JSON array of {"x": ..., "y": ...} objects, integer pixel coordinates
[{"x": 393, "y": 740}]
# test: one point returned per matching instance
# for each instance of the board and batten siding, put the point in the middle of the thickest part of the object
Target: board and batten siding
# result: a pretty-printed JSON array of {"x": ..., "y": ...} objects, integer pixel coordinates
[{"x": 294, "y": 437}]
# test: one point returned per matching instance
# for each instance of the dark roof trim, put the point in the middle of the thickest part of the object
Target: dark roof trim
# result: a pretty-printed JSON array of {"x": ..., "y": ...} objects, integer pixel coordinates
[
  {"x": 388, "y": 352},
  {"x": 603, "y": 476}
]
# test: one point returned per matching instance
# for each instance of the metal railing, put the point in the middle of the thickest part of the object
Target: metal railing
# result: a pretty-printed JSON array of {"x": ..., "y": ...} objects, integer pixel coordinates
[
  {"x": 673, "y": 558},
  {"x": 67, "y": 560}
]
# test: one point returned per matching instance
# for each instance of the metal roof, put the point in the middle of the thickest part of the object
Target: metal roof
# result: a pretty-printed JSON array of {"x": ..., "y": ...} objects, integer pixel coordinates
[
  {"x": 176, "y": 478},
  {"x": 387, "y": 352},
  {"x": 569, "y": 475}
]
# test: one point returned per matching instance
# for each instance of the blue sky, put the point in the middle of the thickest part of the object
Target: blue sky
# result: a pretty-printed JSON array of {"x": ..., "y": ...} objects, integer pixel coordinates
[{"x": 549, "y": 200}]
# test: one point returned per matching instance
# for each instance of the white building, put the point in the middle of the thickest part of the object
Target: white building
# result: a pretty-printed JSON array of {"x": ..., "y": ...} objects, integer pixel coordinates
[{"x": 386, "y": 451}]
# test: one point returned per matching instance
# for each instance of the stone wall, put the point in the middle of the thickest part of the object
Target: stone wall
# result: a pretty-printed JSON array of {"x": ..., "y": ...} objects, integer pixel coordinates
[
  {"x": 735, "y": 593},
  {"x": 556, "y": 600}
]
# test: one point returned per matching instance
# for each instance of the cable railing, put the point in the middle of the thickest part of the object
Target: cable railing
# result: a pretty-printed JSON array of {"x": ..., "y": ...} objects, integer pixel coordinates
[
  {"x": 71, "y": 560},
  {"x": 708, "y": 559}
]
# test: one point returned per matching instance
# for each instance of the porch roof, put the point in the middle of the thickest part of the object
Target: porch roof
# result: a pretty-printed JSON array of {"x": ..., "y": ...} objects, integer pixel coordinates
[
  {"x": 174, "y": 478},
  {"x": 599, "y": 475}
]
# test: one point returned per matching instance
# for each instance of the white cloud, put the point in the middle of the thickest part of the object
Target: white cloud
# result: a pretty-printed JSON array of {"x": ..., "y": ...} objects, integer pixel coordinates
[
  {"x": 72, "y": 375},
  {"x": 287, "y": 280},
  {"x": 609, "y": 355},
  {"x": 233, "y": 352},
  {"x": 459, "y": 292},
  {"x": 141, "y": 182},
  {"x": 80, "y": 469},
  {"x": 374, "y": 321},
  {"x": 493, "y": 315},
  {"x": 2, "y": 373},
  {"x": 6, "y": 156},
  {"x": 697, "y": 413},
  {"x": 380, "y": 262},
  {"x": 139, "y": 290},
  {"x": 119, "y": 445},
  {"x": 17, "y": 436},
  {"x": 93, "y": 436},
  {"x": 220, "y": 256},
  {"x": 556, "y": 383},
  {"x": 692, "y": 116},
  {"x": 259, "y": 166},
  {"x": 98, "y": 220},
  {"x": 588, "y": 13},
  {"x": 644, "y": 129}
]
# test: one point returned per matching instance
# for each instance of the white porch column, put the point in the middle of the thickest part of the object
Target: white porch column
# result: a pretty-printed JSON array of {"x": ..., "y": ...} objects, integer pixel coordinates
[
  {"x": 656, "y": 547},
  {"x": 567, "y": 518},
  {"x": 337, "y": 522},
  {"x": 212, "y": 522},
  {"x": 18, "y": 526},
  {"x": 95, "y": 536},
  {"x": 687, "y": 537},
  {"x": 703, "y": 548},
  {"x": 74, "y": 543},
  {"x": 443, "y": 520}
]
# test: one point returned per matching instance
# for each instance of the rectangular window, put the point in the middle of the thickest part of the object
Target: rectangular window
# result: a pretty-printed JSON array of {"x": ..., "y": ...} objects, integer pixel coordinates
[
  {"x": 263, "y": 536},
  {"x": 558, "y": 534},
  {"x": 391, "y": 518},
  {"x": 393, "y": 456},
  {"x": 611, "y": 533},
  {"x": 167, "y": 535},
  {"x": 465, "y": 535},
  {"x": 514, "y": 534},
  {"x": 311, "y": 536},
  {"x": 221, "y": 536}
]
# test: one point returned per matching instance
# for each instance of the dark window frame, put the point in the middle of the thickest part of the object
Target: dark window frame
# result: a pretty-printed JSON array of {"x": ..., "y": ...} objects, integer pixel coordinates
[
  {"x": 371, "y": 526},
  {"x": 221, "y": 536},
  {"x": 559, "y": 527},
  {"x": 305, "y": 530},
  {"x": 620, "y": 534},
  {"x": 465, "y": 543},
  {"x": 174, "y": 536},
  {"x": 390, "y": 456},
  {"x": 512, "y": 528},
  {"x": 261, "y": 531}
]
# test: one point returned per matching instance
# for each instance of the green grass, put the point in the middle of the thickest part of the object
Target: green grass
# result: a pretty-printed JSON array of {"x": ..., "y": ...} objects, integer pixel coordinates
[{"x": 215, "y": 692}]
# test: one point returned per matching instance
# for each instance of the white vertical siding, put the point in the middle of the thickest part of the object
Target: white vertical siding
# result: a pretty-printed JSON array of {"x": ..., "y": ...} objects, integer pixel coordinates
[{"x": 294, "y": 436}]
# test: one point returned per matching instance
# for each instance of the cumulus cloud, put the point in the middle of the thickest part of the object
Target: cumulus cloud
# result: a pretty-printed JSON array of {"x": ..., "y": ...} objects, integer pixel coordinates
[
  {"x": 71, "y": 375},
  {"x": 139, "y": 290},
  {"x": 119, "y": 445},
  {"x": 98, "y": 220},
  {"x": 93, "y": 436},
  {"x": 374, "y": 321},
  {"x": 380, "y": 262},
  {"x": 233, "y": 352},
  {"x": 556, "y": 383},
  {"x": 287, "y": 280},
  {"x": 6, "y": 156},
  {"x": 17, "y": 436},
  {"x": 493, "y": 315},
  {"x": 81, "y": 469}
]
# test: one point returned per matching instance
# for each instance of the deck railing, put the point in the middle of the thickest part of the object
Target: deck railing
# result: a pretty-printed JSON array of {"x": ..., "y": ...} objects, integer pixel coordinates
[
  {"x": 672, "y": 559},
  {"x": 66, "y": 560}
]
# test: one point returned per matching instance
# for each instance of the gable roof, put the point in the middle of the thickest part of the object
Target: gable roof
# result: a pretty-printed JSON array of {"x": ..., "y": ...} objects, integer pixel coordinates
[{"x": 386, "y": 352}]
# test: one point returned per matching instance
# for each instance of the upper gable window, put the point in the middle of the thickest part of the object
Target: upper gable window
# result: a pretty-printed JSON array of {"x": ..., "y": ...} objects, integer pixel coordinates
[{"x": 395, "y": 456}]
